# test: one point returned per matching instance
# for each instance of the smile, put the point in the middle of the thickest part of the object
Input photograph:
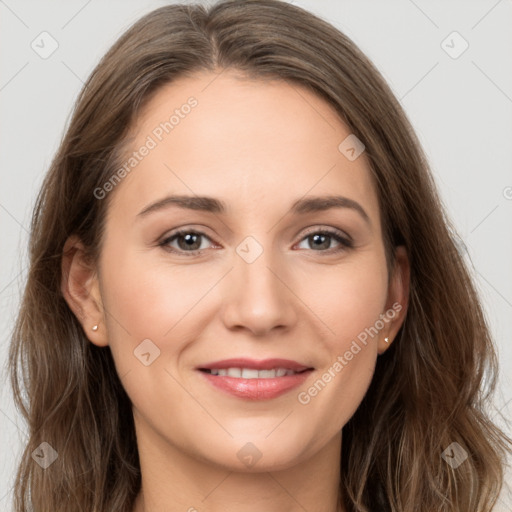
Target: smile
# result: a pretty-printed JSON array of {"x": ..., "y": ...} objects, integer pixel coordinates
[{"x": 250, "y": 373}]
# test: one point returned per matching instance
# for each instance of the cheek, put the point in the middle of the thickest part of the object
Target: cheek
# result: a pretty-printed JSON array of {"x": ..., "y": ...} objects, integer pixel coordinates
[
  {"x": 147, "y": 298},
  {"x": 350, "y": 309},
  {"x": 350, "y": 298}
]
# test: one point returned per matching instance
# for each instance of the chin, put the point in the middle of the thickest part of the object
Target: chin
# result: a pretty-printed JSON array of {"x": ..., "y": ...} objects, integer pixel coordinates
[{"x": 255, "y": 456}]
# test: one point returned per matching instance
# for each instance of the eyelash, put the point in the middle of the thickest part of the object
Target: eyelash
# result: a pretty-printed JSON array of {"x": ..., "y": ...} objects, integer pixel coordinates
[{"x": 345, "y": 243}]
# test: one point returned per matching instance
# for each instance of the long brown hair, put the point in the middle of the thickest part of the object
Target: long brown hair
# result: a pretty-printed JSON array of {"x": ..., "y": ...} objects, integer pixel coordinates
[{"x": 429, "y": 388}]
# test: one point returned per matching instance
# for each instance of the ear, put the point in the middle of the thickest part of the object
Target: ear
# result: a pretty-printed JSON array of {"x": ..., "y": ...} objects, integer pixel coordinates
[
  {"x": 397, "y": 300},
  {"x": 80, "y": 288}
]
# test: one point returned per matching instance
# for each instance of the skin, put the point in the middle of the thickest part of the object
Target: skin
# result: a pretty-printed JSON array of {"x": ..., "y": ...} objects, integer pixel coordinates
[{"x": 258, "y": 146}]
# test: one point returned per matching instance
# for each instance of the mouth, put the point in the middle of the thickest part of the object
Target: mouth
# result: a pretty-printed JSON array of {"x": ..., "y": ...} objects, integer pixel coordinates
[
  {"x": 250, "y": 373},
  {"x": 255, "y": 380},
  {"x": 246, "y": 364}
]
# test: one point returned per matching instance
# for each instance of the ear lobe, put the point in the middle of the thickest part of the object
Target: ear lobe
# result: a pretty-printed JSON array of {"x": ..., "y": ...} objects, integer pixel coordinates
[
  {"x": 397, "y": 301},
  {"x": 80, "y": 288}
]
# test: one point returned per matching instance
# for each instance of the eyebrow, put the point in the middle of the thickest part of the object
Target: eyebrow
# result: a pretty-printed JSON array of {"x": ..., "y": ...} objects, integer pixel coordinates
[{"x": 213, "y": 205}]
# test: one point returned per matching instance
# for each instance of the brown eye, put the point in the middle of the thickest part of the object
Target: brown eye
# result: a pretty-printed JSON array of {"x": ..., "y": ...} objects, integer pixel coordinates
[
  {"x": 187, "y": 241},
  {"x": 320, "y": 241}
]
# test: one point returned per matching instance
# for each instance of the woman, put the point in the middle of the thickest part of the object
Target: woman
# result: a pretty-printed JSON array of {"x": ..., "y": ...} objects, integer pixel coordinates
[{"x": 244, "y": 292}]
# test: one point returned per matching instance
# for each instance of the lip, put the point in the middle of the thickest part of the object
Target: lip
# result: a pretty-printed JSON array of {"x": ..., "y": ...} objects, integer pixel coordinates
[
  {"x": 256, "y": 389},
  {"x": 265, "y": 364}
]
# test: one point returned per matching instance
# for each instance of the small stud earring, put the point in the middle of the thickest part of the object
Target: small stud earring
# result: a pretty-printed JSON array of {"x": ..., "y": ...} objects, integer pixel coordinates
[
  {"x": 94, "y": 327},
  {"x": 386, "y": 340}
]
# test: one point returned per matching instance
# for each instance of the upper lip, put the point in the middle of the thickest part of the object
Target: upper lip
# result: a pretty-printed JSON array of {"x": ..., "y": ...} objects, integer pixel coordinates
[{"x": 265, "y": 364}]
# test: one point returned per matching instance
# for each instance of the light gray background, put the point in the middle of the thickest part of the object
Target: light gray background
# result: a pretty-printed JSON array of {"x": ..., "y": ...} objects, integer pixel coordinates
[{"x": 461, "y": 109}]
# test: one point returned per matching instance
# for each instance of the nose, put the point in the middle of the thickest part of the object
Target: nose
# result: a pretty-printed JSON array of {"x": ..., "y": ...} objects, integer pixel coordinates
[{"x": 258, "y": 296}]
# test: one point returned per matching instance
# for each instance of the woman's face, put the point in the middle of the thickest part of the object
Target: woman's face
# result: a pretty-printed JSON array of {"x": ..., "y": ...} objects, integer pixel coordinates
[{"x": 264, "y": 277}]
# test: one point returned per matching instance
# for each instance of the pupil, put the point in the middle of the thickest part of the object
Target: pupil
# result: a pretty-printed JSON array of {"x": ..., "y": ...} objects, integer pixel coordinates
[
  {"x": 319, "y": 236},
  {"x": 189, "y": 239}
]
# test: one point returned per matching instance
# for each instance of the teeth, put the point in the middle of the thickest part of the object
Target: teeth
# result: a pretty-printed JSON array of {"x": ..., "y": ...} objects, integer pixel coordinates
[{"x": 250, "y": 373}]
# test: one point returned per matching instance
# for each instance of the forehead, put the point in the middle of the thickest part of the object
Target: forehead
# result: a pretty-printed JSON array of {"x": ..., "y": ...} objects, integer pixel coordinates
[{"x": 248, "y": 141}]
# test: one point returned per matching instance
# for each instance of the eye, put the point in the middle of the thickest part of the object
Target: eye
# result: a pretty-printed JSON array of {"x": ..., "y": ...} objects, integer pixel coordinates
[
  {"x": 321, "y": 239},
  {"x": 189, "y": 241}
]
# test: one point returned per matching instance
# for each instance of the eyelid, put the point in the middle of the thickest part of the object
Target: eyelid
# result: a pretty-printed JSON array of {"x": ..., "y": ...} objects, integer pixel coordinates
[{"x": 330, "y": 229}]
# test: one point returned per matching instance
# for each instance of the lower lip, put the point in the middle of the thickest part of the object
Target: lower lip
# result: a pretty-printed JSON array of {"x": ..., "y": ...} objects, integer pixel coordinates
[{"x": 257, "y": 389}]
